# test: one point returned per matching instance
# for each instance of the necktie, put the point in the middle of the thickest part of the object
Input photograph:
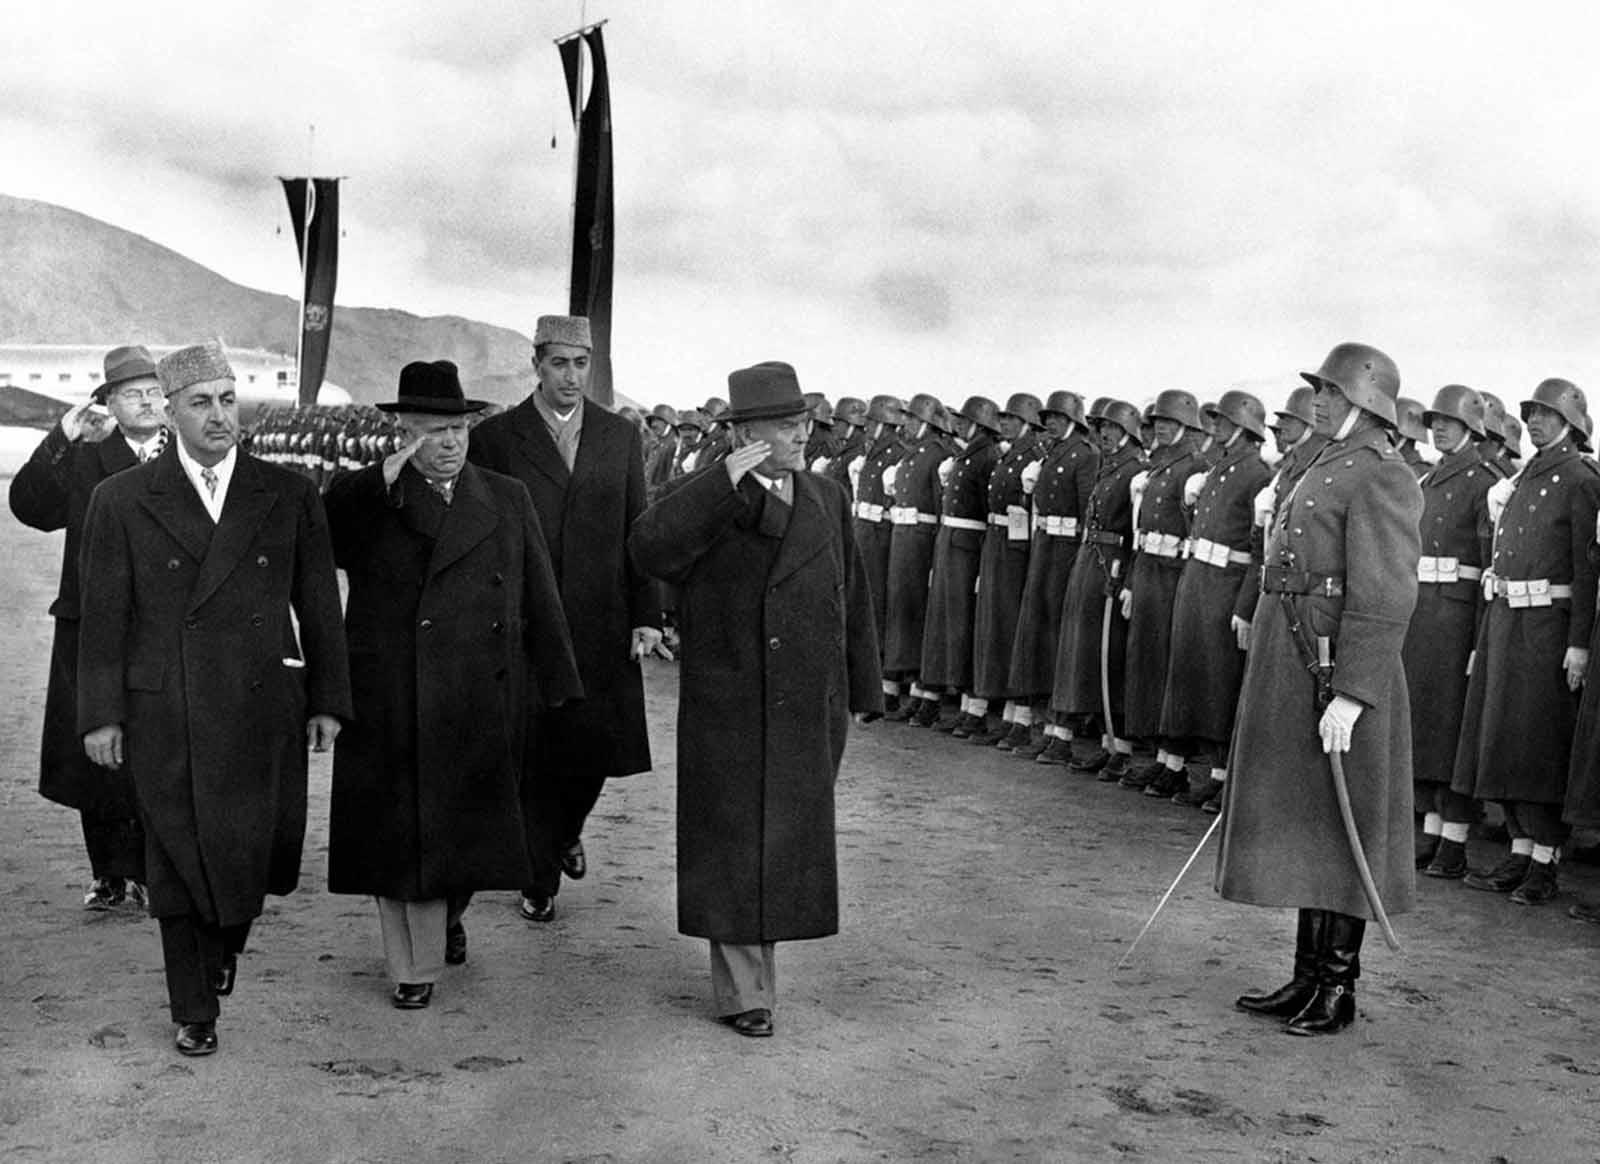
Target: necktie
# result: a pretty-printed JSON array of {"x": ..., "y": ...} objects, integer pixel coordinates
[{"x": 210, "y": 478}]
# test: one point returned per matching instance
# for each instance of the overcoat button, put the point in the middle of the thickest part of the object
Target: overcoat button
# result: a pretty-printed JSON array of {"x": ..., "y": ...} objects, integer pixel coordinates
[
  {"x": 261, "y": 560},
  {"x": 426, "y": 624},
  {"x": 256, "y": 620},
  {"x": 191, "y": 623},
  {"x": 773, "y": 643},
  {"x": 255, "y": 685},
  {"x": 498, "y": 628},
  {"x": 173, "y": 563},
  {"x": 499, "y": 578}
]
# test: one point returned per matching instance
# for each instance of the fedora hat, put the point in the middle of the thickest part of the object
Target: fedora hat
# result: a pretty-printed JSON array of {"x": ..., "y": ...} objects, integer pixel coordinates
[
  {"x": 433, "y": 388},
  {"x": 121, "y": 365},
  {"x": 766, "y": 391}
]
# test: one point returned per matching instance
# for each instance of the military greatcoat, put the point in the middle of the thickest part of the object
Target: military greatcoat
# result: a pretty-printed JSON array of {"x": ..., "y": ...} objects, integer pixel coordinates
[
  {"x": 952, "y": 590},
  {"x": 1003, "y": 570},
  {"x": 778, "y": 650},
  {"x": 1455, "y": 529},
  {"x": 914, "y": 525},
  {"x": 1290, "y": 469},
  {"x": 1206, "y": 665},
  {"x": 1060, "y": 503},
  {"x": 1518, "y": 723},
  {"x": 873, "y": 529},
  {"x": 1348, "y": 531}
]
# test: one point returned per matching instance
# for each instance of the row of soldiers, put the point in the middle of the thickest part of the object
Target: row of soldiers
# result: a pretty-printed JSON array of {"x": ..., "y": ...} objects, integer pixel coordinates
[
  {"x": 318, "y": 440},
  {"x": 1076, "y": 585}
]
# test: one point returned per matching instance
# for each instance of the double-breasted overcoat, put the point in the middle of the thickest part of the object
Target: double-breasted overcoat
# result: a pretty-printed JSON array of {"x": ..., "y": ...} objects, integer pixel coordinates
[
  {"x": 953, "y": 582},
  {"x": 873, "y": 528},
  {"x": 1003, "y": 570},
  {"x": 1291, "y": 467},
  {"x": 914, "y": 526}
]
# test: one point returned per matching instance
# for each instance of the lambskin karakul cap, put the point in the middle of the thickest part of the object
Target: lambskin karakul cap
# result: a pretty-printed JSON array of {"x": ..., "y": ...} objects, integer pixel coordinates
[
  {"x": 199, "y": 364},
  {"x": 765, "y": 391},
  {"x": 562, "y": 329}
]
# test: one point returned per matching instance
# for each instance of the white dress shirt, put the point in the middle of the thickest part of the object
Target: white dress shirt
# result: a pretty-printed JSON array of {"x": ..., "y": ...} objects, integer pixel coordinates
[{"x": 224, "y": 474}]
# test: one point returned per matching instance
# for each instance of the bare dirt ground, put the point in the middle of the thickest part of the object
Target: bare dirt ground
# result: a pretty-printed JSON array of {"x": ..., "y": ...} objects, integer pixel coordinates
[{"x": 969, "y": 1010}]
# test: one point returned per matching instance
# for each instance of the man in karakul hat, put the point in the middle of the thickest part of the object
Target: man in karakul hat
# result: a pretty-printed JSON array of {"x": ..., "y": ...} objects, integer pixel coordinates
[
  {"x": 51, "y": 492},
  {"x": 212, "y": 652},
  {"x": 584, "y": 468},
  {"x": 455, "y": 630},
  {"x": 779, "y": 647}
]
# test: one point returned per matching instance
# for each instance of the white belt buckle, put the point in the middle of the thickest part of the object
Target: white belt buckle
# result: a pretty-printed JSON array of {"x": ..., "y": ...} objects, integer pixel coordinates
[
  {"x": 1069, "y": 527},
  {"x": 1016, "y": 523},
  {"x": 1449, "y": 569},
  {"x": 1427, "y": 569},
  {"x": 1517, "y": 594},
  {"x": 1539, "y": 592},
  {"x": 1170, "y": 544}
]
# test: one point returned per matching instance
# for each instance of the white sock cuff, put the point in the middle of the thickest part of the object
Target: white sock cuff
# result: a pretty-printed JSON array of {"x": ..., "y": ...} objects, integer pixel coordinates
[
  {"x": 1522, "y": 846},
  {"x": 1220, "y": 775},
  {"x": 890, "y": 687},
  {"x": 1544, "y": 854},
  {"x": 1455, "y": 831},
  {"x": 980, "y": 706},
  {"x": 1161, "y": 755},
  {"x": 1432, "y": 823},
  {"x": 1023, "y": 715},
  {"x": 1174, "y": 762}
]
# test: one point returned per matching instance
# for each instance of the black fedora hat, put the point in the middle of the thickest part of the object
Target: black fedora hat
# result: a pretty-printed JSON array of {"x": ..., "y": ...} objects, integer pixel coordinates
[
  {"x": 433, "y": 388},
  {"x": 122, "y": 364},
  {"x": 766, "y": 391}
]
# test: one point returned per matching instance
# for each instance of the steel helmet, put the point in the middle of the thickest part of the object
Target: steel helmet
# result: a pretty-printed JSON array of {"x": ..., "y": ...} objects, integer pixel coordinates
[
  {"x": 851, "y": 410},
  {"x": 692, "y": 418},
  {"x": 1067, "y": 404},
  {"x": 665, "y": 412},
  {"x": 1458, "y": 402},
  {"x": 927, "y": 409},
  {"x": 1098, "y": 408},
  {"x": 1408, "y": 418},
  {"x": 1298, "y": 406},
  {"x": 886, "y": 410},
  {"x": 1244, "y": 410},
  {"x": 1208, "y": 418},
  {"x": 1024, "y": 405},
  {"x": 1565, "y": 399},
  {"x": 821, "y": 410},
  {"x": 1122, "y": 414},
  {"x": 981, "y": 411},
  {"x": 1176, "y": 404},
  {"x": 1368, "y": 378},
  {"x": 714, "y": 407},
  {"x": 1513, "y": 438},
  {"x": 1495, "y": 416}
]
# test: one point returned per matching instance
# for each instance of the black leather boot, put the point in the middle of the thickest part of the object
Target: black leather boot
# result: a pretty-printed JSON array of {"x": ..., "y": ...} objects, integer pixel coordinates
[
  {"x": 1338, "y": 966},
  {"x": 1291, "y": 998}
]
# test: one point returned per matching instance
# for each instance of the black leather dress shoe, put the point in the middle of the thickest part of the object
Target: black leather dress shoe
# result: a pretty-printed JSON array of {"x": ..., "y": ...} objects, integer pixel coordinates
[
  {"x": 196, "y": 1039},
  {"x": 413, "y": 995},
  {"x": 755, "y": 1024},
  {"x": 1093, "y": 762},
  {"x": 222, "y": 981},
  {"x": 573, "y": 862},
  {"x": 455, "y": 944},
  {"x": 538, "y": 908}
]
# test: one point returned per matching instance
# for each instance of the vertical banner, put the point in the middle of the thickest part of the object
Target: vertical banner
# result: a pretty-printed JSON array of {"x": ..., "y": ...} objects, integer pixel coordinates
[
  {"x": 314, "y": 212},
  {"x": 593, "y": 243}
]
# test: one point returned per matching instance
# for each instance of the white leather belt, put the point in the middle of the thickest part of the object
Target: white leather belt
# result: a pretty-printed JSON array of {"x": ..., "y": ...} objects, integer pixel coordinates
[
  {"x": 997, "y": 519},
  {"x": 908, "y": 515},
  {"x": 1161, "y": 545},
  {"x": 1216, "y": 554},
  {"x": 1017, "y": 523},
  {"x": 961, "y": 522},
  {"x": 867, "y": 511},
  {"x": 1058, "y": 526},
  {"x": 1444, "y": 570},
  {"x": 1522, "y": 593}
]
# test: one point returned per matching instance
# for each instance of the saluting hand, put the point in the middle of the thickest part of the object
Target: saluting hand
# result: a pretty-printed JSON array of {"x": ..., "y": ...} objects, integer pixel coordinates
[
  {"x": 72, "y": 420},
  {"x": 104, "y": 745},
  {"x": 744, "y": 458},
  {"x": 394, "y": 462}
]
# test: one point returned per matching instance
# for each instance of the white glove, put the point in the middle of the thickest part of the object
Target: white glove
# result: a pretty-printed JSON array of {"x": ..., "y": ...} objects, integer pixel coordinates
[
  {"x": 820, "y": 465},
  {"x": 1137, "y": 485},
  {"x": 1338, "y": 722},
  {"x": 1499, "y": 493},
  {"x": 1030, "y": 478},
  {"x": 1575, "y": 663},
  {"x": 1241, "y": 632},
  {"x": 1192, "y": 486},
  {"x": 947, "y": 469},
  {"x": 1127, "y": 605},
  {"x": 891, "y": 475},
  {"x": 1261, "y": 509},
  {"x": 1472, "y": 658},
  {"x": 855, "y": 473}
]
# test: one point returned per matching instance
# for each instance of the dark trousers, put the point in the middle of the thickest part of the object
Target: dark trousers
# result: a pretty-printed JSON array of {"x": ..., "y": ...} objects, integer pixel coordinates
[
  {"x": 193, "y": 952},
  {"x": 115, "y": 845},
  {"x": 562, "y": 804},
  {"x": 1540, "y": 822}
]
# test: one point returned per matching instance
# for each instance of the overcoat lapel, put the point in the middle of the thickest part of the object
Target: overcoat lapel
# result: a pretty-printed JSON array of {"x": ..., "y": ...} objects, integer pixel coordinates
[
  {"x": 249, "y": 501},
  {"x": 538, "y": 448},
  {"x": 809, "y": 531},
  {"x": 469, "y": 518},
  {"x": 115, "y": 455},
  {"x": 172, "y": 501},
  {"x": 593, "y": 451}
]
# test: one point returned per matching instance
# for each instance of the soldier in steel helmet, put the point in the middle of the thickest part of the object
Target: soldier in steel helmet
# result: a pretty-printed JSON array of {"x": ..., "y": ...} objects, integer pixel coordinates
[
  {"x": 1532, "y": 651},
  {"x": 1496, "y": 424},
  {"x": 1456, "y": 533},
  {"x": 1323, "y": 675},
  {"x": 850, "y": 425},
  {"x": 663, "y": 454},
  {"x": 874, "y": 478},
  {"x": 1410, "y": 431}
]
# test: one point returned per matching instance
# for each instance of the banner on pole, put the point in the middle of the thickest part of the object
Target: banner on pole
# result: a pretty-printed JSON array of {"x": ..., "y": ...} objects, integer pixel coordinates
[
  {"x": 593, "y": 242},
  {"x": 314, "y": 212}
]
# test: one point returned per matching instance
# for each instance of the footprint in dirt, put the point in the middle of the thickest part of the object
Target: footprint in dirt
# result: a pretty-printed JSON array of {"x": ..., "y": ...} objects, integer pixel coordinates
[{"x": 485, "y": 1063}]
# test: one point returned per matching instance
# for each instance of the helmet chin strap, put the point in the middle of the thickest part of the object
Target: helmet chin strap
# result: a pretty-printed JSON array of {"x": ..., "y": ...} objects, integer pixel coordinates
[{"x": 1349, "y": 423}]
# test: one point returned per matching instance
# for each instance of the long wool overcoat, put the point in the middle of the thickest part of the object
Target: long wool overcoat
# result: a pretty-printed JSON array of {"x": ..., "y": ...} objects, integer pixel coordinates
[
  {"x": 454, "y": 624},
  {"x": 1353, "y": 517},
  {"x": 953, "y": 582},
  {"x": 778, "y": 650},
  {"x": 187, "y": 642},
  {"x": 1290, "y": 469},
  {"x": 1518, "y": 723},
  {"x": 585, "y": 513},
  {"x": 873, "y": 533},
  {"x": 1066, "y": 479},
  {"x": 51, "y": 492},
  {"x": 1206, "y": 665},
  {"x": 1003, "y": 570},
  {"x": 916, "y": 489},
  {"x": 1444, "y": 626}
]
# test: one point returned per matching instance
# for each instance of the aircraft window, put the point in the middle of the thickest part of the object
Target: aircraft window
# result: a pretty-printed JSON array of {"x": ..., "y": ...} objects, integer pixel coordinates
[
  {"x": 64, "y": 378},
  {"x": 35, "y": 376}
]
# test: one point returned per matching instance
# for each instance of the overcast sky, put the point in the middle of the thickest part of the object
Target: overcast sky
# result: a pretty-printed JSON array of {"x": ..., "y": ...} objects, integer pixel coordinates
[{"x": 895, "y": 196}]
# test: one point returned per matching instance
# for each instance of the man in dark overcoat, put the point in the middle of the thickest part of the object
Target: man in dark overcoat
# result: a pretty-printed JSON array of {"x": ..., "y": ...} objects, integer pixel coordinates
[
  {"x": 455, "y": 628},
  {"x": 1163, "y": 508},
  {"x": 1531, "y": 656},
  {"x": 1340, "y": 581},
  {"x": 913, "y": 528},
  {"x": 953, "y": 581},
  {"x": 1002, "y": 573},
  {"x": 778, "y": 650},
  {"x": 873, "y": 473},
  {"x": 1087, "y": 681},
  {"x": 662, "y": 456},
  {"x": 50, "y": 492},
  {"x": 1205, "y": 664},
  {"x": 582, "y": 467},
  {"x": 1062, "y": 482},
  {"x": 1456, "y": 537},
  {"x": 192, "y": 674}
]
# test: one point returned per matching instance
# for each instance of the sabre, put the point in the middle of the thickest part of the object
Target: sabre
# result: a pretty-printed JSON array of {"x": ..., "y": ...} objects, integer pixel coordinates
[
  {"x": 1105, "y": 653},
  {"x": 1171, "y": 889}
]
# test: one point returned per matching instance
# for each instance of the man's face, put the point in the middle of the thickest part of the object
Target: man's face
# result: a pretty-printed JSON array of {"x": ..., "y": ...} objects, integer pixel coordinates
[
  {"x": 1224, "y": 430},
  {"x": 563, "y": 372},
  {"x": 966, "y": 429},
  {"x": 137, "y": 406},
  {"x": 206, "y": 418},
  {"x": 1108, "y": 435},
  {"x": 1330, "y": 406},
  {"x": 787, "y": 438},
  {"x": 1166, "y": 430},
  {"x": 1447, "y": 432},
  {"x": 1010, "y": 426},
  {"x": 1544, "y": 425},
  {"x": 1288, "y": 432},
  {"x": 444, "y": 443},
  {"x": 1056, "y": 424},
  {"x": 659, "y": 426}
]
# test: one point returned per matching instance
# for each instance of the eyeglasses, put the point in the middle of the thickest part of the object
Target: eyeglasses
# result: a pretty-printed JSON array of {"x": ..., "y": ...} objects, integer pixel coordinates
[{"x": 153, "y": 392}]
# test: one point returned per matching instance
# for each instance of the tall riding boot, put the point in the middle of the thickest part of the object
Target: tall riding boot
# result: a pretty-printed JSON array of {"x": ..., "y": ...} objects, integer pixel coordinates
[
  {"x": 1338, "y": 966},
  {"x": 1291, "y": 998}
]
